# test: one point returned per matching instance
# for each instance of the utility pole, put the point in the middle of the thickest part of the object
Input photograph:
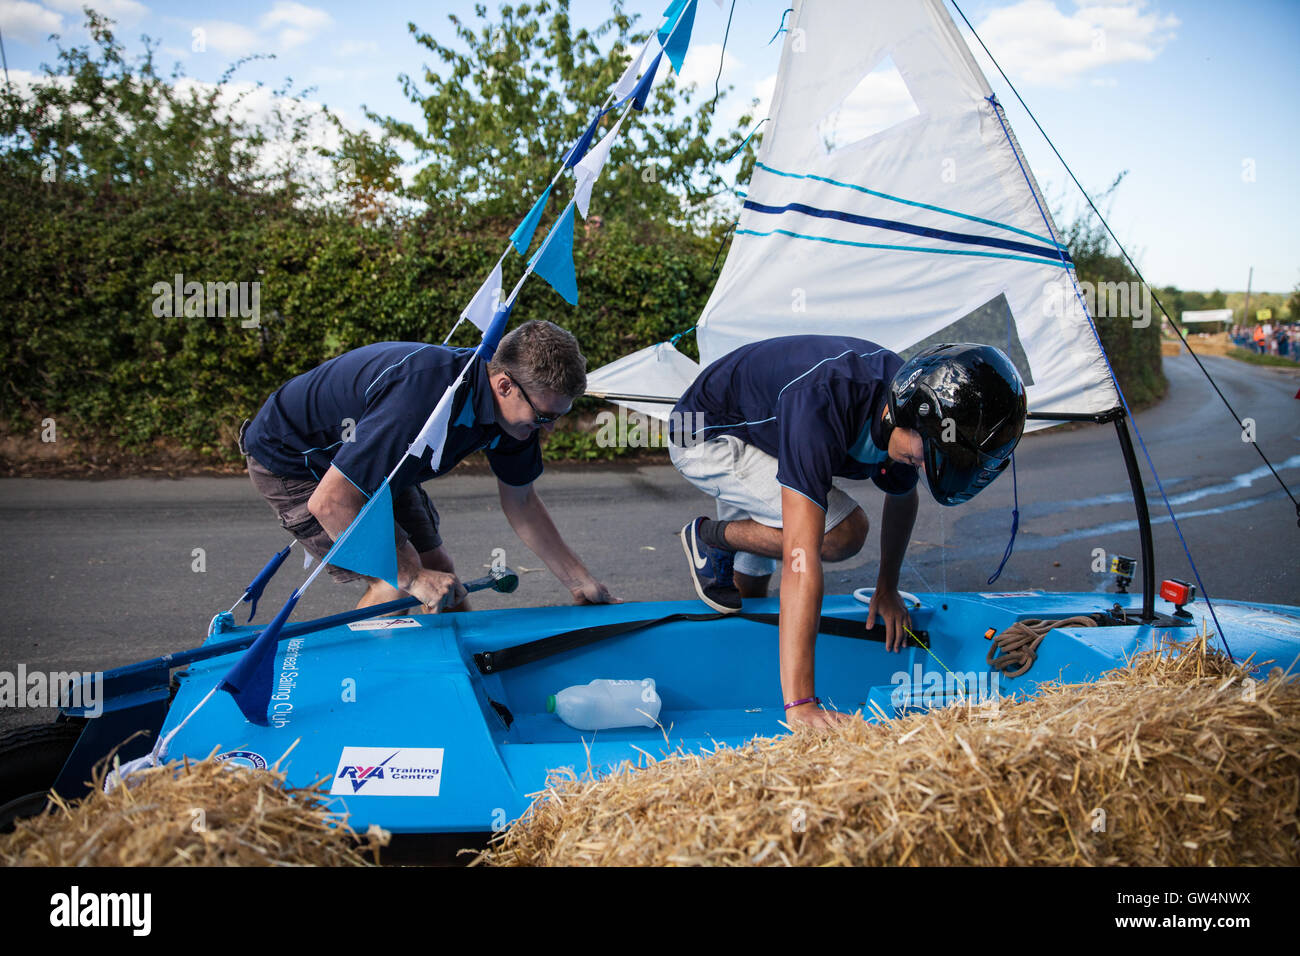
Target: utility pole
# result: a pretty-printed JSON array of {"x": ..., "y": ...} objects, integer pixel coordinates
[{"x": 1246, "y": 318}]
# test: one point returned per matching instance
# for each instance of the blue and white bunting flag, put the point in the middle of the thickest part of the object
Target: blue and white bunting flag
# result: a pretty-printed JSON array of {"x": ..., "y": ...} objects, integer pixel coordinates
[
  {"x": 255, "y": 587},
  {"x": 249, "y": 681},
  {"x": 554, "y": 260},
  {"x": 484, "y": 305},
  {"x": 579, "y": 149},
  {"x": 522, "y": 237},
  {"x": 642, "y": 91},
  {"x": 369, "y": 545},
  {"x": 434, "y": 432},
  {"x": 627, "y": 82},
  {"x": 588, "y": 171},
  {"x": 675, "y": 34}
]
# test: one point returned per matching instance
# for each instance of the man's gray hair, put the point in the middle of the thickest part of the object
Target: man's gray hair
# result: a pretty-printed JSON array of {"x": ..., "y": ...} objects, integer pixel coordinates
[{"x": 541, "y": 355}]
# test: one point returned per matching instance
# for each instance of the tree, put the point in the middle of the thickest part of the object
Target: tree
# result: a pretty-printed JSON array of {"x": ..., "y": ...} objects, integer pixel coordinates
[
  {"x": 1134, "y": 351},
  {"x": 500, "y": 114}
]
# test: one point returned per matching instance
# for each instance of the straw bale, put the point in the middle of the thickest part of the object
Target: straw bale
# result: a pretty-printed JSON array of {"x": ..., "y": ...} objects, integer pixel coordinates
[
  {"x": 1176, "y": 759},
  {"x": 192, "y": 814}
]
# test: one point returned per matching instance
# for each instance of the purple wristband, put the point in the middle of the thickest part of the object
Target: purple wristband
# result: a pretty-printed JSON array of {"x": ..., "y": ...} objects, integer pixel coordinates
[{"x": 805, "y": 700}]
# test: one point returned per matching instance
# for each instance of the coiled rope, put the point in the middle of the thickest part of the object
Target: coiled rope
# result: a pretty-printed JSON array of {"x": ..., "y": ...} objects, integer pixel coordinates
[{"x": 1019, "y": 643}]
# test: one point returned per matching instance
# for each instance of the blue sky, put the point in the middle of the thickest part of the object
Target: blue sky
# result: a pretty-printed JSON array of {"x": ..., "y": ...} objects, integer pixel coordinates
[{"x": 1197, "y": 100}]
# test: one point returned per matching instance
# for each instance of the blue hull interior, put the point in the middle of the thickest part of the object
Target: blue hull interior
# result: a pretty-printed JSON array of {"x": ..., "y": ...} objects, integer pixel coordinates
[{"x": 416, "y": 686}]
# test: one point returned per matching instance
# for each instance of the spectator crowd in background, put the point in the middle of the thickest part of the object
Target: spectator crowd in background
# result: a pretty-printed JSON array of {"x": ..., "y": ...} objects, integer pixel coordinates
[{"x": 1269, "y": 338}]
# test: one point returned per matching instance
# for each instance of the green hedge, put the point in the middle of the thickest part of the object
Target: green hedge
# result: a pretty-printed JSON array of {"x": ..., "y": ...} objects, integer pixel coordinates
[{"x": 76, "y": 288}]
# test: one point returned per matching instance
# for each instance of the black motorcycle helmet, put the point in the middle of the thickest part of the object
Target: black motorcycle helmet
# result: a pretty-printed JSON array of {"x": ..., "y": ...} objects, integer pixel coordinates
[{"x": 968, "y": 404}]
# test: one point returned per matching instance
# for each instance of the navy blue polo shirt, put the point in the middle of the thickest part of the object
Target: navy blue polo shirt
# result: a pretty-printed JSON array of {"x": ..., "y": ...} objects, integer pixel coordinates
[
  {"x": 813, "y": 402},
  {"x": 387, "y": 390}
]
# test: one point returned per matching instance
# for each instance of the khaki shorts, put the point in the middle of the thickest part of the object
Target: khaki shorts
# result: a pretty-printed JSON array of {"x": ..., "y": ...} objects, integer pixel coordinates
[
  {"x": 742, "y": 478},
  {"x": 415, "y": 517}
]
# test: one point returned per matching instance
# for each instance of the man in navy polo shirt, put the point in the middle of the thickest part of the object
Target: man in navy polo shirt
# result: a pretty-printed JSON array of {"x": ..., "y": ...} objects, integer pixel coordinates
[
  {"x": 768, "y": 428},
  {"x": 324, "y": 442}
]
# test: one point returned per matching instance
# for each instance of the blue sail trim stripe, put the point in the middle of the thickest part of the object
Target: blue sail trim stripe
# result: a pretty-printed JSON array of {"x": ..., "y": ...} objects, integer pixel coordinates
[
  {"x": 1053, "y": 255},
  {"x": 909, "y": 202},
  {"x": 878, "y": 245}
]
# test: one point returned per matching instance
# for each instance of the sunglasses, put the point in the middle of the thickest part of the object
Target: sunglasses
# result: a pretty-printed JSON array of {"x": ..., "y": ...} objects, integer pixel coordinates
[{"x": 538, "y": 417}]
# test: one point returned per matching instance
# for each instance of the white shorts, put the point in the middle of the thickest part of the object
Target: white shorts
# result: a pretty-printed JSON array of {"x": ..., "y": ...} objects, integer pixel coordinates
[{"x": 743, "y": 480}]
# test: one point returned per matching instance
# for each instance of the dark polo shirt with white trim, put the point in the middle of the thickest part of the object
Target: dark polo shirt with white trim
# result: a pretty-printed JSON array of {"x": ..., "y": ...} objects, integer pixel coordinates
[
  {"x": 812, "y": 402},
  {"x": 387, "y": 391}
]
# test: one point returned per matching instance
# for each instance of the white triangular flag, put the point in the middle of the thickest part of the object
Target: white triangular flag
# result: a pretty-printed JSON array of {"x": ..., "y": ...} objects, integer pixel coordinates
[
  {"x": 434, "y": 433},
  {"x": 306, "y": 560},
  {"x": 588, "y": 171},
  {"x": 627, "y": 82},
  {"x": 484, "y": 305}
]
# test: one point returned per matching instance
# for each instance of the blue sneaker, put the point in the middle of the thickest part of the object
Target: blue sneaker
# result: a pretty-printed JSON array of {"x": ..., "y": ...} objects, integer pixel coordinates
[{"x": 711, "y": 570}]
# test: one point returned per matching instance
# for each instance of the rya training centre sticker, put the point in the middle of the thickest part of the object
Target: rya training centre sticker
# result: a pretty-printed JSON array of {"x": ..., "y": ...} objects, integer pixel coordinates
[{"x": 389, "y": 771}]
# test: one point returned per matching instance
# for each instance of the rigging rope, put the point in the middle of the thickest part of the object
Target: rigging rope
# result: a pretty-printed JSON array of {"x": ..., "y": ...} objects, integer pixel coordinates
[
  {"x": 1133, "y": 266},
  {"x": 722, "y": 58}
]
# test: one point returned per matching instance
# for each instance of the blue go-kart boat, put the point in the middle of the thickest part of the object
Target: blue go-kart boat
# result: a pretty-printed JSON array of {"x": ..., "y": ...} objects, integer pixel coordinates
[{"x": 438, "y": 724}]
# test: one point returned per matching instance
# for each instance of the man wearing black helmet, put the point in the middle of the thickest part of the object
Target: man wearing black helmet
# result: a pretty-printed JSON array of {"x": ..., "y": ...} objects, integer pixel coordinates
[{"x": 768, "y": 428}]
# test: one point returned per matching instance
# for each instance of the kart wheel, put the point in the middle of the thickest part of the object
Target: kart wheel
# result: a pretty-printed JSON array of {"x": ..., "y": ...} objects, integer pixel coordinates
[{"x": 30, "y": 761}]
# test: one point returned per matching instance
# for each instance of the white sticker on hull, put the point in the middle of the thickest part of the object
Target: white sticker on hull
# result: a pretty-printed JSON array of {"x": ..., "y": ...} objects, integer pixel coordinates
[
  {"x": 384, "y": 624},
  {"x": 389, "y": 771}
]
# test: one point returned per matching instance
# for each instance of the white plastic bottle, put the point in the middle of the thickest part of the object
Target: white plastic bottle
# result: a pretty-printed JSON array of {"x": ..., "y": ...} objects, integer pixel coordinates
[{"x": 605, "y": 704}]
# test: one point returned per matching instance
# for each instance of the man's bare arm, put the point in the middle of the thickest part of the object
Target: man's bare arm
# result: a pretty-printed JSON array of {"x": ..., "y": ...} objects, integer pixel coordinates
[
  {"x": 898, "y": 515},
  {"x": 804, "y": 525},
  {"x": 532, "y": 522},
  {"x": 335, "y": 504}
]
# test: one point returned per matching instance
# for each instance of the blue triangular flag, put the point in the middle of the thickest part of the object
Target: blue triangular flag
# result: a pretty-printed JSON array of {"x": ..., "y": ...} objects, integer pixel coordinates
[
  {"x": 554, "y": 261},
  {"x": 647, "y": 81},
  {"x": 522, "y": 237},
  {"x": 258, "y": 584},
  {"x": 249, "y": 681},
  {"x": 368, "y": 545},
  {"x": 579, "y": 149},
  {"x": 492, "y": 334},
  {"x": 675, "y": 34}
]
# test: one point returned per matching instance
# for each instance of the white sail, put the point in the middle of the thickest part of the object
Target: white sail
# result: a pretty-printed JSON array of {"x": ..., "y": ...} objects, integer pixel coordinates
[
  {"x": 891, "y": 203},
  {"x": 659, "y": 371}
]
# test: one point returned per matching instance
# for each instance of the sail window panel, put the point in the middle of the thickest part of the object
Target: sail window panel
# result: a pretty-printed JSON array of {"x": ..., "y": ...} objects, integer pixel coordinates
[{"x": 879, "y": 102}]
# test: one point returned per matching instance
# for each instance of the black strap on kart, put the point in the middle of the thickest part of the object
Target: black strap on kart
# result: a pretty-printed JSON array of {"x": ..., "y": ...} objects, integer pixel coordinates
[{"x": 491, "y": 662}]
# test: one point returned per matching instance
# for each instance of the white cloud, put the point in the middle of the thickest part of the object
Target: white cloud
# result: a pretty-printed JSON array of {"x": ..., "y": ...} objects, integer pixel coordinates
[
  {"x": 763, "y": 92},
  {"x": 1039, "y": 44},
  {"x": 294, "y": 37},
  {"x": 28, "y": 22},
  {"x": 123, "y": 11},
  {"x": 288, "y": 13},
  {"x": 300, "y": 23},
  {"x": 357, "y": 48},
  {"x": 701, "y": 66},
  {"x": 233, "y": 39},
  {"x": 259, "y": 106}
]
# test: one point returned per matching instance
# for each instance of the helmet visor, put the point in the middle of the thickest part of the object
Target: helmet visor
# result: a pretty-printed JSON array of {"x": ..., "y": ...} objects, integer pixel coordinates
[{"x": 956, "y": 474}]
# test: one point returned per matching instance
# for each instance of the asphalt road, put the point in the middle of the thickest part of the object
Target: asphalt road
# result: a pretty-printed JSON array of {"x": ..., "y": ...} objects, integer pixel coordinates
[{"x": 95, "y": 574}]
